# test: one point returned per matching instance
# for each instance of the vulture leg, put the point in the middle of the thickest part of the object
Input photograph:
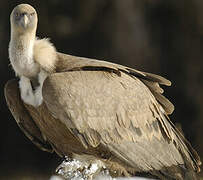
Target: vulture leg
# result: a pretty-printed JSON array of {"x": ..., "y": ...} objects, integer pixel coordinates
[{"x": 22, "y": 117}]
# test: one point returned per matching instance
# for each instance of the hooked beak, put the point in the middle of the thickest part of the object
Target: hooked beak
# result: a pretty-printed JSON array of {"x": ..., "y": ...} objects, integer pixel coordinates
[{"x": 24, "y": 21}]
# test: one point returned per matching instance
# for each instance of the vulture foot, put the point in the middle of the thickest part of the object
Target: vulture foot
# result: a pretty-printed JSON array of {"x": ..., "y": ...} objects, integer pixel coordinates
[{"x": 72, "y": 169}]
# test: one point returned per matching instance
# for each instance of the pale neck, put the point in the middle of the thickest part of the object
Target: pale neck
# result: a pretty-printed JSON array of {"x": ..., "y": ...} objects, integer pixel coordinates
[
  {"x": 23, "y": 42},
  {"x": 23, "y": 38}
]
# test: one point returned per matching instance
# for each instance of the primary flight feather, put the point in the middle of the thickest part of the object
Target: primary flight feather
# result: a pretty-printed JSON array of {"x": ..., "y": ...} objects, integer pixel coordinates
[{"x": 80, "y": 107}]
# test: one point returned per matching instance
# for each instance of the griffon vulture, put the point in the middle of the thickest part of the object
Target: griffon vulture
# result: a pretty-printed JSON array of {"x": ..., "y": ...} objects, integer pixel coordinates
[{"x": 94, "y": 110}]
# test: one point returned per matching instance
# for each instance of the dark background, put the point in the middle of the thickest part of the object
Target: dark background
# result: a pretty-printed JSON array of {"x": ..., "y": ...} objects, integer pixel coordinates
[{"x": 160, "y": 36}]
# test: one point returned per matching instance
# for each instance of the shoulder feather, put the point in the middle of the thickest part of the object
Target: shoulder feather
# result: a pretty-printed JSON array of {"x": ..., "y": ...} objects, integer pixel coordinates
[{"x": 45, "y": 54}]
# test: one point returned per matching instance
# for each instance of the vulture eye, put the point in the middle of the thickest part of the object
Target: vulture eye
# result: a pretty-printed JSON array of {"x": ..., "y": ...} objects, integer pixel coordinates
[
  {"x": 32, "y": 14},
  {"x": 17, "y": 14}
]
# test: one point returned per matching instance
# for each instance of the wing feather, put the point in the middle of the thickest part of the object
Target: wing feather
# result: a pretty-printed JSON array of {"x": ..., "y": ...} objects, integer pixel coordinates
[
  {"x": 152, "y": 81},
  {"x": 118, "y": 111},
  {"x": 105, "y": 105},
  {"x": 22, "y": 116}
]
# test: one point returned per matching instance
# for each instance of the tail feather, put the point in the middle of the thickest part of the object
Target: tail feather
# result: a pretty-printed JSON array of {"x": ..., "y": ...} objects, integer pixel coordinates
[{"x": 176, "y": 173}]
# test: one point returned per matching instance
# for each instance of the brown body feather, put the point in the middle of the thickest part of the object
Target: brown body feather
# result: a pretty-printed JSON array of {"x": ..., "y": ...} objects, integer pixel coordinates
[{"x": 113, "y": 113}]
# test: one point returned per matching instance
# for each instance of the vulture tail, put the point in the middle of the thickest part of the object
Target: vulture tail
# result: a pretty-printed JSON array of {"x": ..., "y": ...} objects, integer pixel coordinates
[{"x": 178, "y": 173}]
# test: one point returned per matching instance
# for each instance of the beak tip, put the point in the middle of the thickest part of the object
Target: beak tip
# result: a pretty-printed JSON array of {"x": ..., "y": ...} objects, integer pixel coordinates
[{"x": 24, "y": 21}]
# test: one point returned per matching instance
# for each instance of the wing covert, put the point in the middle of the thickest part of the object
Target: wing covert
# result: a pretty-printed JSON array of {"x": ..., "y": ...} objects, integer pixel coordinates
[
  {"x": 117, "y": 111},
  {"x": 22, "y": 116}
]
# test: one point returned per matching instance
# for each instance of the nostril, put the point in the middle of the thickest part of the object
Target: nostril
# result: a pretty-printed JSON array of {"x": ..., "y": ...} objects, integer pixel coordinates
[{"x": 23, "y": 14}]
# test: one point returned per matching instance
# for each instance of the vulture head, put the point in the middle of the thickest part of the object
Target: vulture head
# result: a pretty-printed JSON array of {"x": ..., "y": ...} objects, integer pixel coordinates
[{"x": 23, "y": 17}]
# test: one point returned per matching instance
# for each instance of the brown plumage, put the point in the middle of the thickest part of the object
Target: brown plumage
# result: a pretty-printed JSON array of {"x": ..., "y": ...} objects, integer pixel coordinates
[{"x": 109, "y": 111}]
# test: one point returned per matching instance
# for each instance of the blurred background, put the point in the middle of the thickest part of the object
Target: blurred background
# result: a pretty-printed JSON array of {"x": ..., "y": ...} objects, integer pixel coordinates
[{"x": 160, "y": 36}]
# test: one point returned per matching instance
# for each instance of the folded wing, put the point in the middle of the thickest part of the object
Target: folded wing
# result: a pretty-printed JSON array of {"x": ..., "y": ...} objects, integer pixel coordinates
[{"x": 121, "y": 109}]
